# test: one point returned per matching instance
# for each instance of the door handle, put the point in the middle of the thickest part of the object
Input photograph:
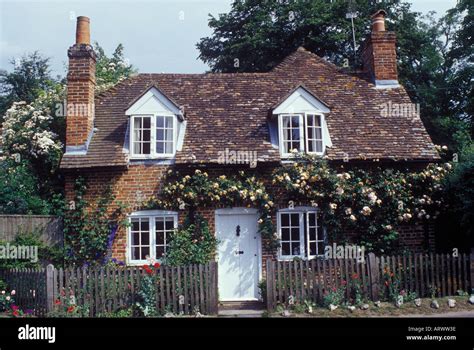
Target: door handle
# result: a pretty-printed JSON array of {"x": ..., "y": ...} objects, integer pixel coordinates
[
  {"x": 240, "y": 252},
  {"x": 237, "y": 231}
]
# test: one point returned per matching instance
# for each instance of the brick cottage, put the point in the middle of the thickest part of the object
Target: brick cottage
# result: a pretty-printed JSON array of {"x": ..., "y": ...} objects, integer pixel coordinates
[{"x": 150, "y": 123}]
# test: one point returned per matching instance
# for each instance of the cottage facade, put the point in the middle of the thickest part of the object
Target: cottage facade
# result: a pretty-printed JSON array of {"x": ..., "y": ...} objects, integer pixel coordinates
[{"x": 150, "y": 123}]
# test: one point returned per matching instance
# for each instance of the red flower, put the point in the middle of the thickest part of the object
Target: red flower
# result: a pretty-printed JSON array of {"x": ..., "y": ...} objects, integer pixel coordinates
[
  {"x": 157, "y": 265},
  {"x": 355, "y": 276},
  {"x": 344, "y": 282},
  {"x": 70, "y": 309},
  {"x": 14, "y": 307},
  {"x": 57, "y": 302},
  {"x": 149, "y": 271},
  {"x": 16, "y": 313},
  {"x": 146, "y": 266}
]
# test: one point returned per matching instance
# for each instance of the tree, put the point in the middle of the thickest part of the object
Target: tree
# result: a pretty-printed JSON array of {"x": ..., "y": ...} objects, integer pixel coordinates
[
  {"x": 111, "y": 70},
  {"x": 30, "y": 76}
]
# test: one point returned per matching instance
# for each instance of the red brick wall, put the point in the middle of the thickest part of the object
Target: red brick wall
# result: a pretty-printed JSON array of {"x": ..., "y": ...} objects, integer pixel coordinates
[
  {"x": 379, "y": 56},
  {"x": 139, "y": 183},
  {"x": 80, "y": 94}
]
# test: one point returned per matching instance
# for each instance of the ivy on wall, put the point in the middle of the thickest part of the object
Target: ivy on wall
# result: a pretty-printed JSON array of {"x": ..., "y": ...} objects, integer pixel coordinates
[{"x": 198, "y": 190}]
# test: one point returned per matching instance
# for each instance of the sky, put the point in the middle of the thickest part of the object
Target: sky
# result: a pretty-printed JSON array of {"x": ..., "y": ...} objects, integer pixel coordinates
[{"x": 158, "y": 35}]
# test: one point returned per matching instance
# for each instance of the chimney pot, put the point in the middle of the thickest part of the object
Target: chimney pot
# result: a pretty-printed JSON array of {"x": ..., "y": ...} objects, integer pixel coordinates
[
  {"x": 83, "y": 35},
  {"x": 378, "y": 21}
]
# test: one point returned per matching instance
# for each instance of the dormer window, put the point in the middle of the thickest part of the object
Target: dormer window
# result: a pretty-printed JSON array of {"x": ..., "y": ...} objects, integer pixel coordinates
[
  {"x": 301, "y": 124},
  {"x": 155, "y": 126},
  {"x": 153, "y": 135}
]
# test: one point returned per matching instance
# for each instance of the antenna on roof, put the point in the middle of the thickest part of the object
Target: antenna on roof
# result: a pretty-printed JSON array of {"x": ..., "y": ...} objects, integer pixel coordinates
[{"x": 352, "y": 13}]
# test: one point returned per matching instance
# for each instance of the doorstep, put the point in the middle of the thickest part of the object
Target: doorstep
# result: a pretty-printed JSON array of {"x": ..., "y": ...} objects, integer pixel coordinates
[{"x": 244, "y": 309}]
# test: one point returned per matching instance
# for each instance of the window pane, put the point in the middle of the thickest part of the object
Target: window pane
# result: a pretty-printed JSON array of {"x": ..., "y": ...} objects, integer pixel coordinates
[
  {"x": 145, "y": 238},
  {"x": 295, "y": 219},
  {"x": 312, "y": 248},
  {"x": 160, "y": 122},
  {"x": 285, "y": 249},
  {"x": 145, "y": 225},
  {"x": 146, "y": 148},
  {"x": 312, "y": 233},
  {"x": 145, "y": 252},
  {"x": 160, "y": 251},
  {"x": 169, "y": 147},
  {"x": 137, "y": 123},
  {"x": 135, "y": 225},
  {"x": 136, "y": 253},
  {"x": 160, "y": 134},
  {"x": 295, "y": 121},
  {"x": 319, "y": 146},
  {"x": 295, "y": 248},
  {"x": 160, "y": 147},
  {"x": 317, "y": 120},
  {"x": 295, "y": 234},
  {"x": 146, "y": 122},
  {"x": 320, "y": 248},
  {"x": 160, "y": 224},
  {"x": 168, "y": 135},
  {"x": 160, "y": 238},
  {"x": 169, "y": 224},
  {"x": 285, "y": 234},
  {"x": 136, "y": 238},
  {"x": 312, "y": 219},
  {"x": 285, "y": 220},
  {"x": 169, "y": 123}
]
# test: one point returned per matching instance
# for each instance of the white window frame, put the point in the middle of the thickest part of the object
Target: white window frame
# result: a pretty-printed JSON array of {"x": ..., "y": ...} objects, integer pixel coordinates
[
  {"x": 321, "y": 121},
  {"x": 280, "y": 132},
  {"x": 153, "y": 154},
  {"x": 304, "y": 141},
  {"x": 304, "y": 244},
  {"x": 151, "y": 215}
]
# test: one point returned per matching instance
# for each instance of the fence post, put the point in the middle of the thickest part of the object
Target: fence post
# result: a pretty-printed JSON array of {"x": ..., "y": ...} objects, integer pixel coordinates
[
  {"x": 374, "y": 278},
  {"x": 270, "y": 277},
  {"x": 471, "y": 259},
  {"x": 49, "y": 288}
]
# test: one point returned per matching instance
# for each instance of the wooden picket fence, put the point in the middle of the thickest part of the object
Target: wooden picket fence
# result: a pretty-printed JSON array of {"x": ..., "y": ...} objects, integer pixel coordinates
[
  {"x": 29, "y": 286},
  {"x": 96, "y": 291},
  {"x": 424, "y": 274}
]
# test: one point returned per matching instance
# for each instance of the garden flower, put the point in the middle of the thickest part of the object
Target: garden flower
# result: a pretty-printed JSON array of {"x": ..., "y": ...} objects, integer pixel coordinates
[
  {"x": 70, "y": 309},
  {"x": 8, "y": 298},
  {"x": 13, "y": 292},
  {"x": 333, "y": 206},
  {"x": 366, "y": 211},
  {"x": 157, "y": 265},
  {"x": 353, "y": 218},
  {"x": 348, "y": 211},
  {"x": 57, "y": 302},
  {"x": 372, "y": 197},
  {"x": 3, "y": 292}
]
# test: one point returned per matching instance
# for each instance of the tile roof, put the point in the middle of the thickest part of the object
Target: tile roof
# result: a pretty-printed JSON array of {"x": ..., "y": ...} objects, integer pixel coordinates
[{"x": 230, "y": 110}]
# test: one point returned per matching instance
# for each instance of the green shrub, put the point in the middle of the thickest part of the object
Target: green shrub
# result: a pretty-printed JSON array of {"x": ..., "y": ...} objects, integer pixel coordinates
[
  {"x": 46, "y": 253},
  {"x": 192, "y": 244}
]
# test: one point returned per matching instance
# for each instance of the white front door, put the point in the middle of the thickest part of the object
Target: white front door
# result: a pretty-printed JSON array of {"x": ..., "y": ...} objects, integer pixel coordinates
[{"x": 238, "y": 254}]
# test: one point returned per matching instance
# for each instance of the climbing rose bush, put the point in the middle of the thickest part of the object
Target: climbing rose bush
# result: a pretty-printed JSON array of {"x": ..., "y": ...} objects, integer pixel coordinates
[
  {"x": 372, "y": 203},
  {"x": 27, "y": 130}
]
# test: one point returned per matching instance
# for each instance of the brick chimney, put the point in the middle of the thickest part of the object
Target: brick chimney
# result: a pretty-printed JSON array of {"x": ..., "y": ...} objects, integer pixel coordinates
[
  {"x": 379, "y": 56},
  {"x": 80, "y": 90}
]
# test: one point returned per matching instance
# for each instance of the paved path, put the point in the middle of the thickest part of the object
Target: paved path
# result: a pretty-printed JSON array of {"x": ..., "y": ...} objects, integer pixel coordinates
[{"x": 455, "y": 314}]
